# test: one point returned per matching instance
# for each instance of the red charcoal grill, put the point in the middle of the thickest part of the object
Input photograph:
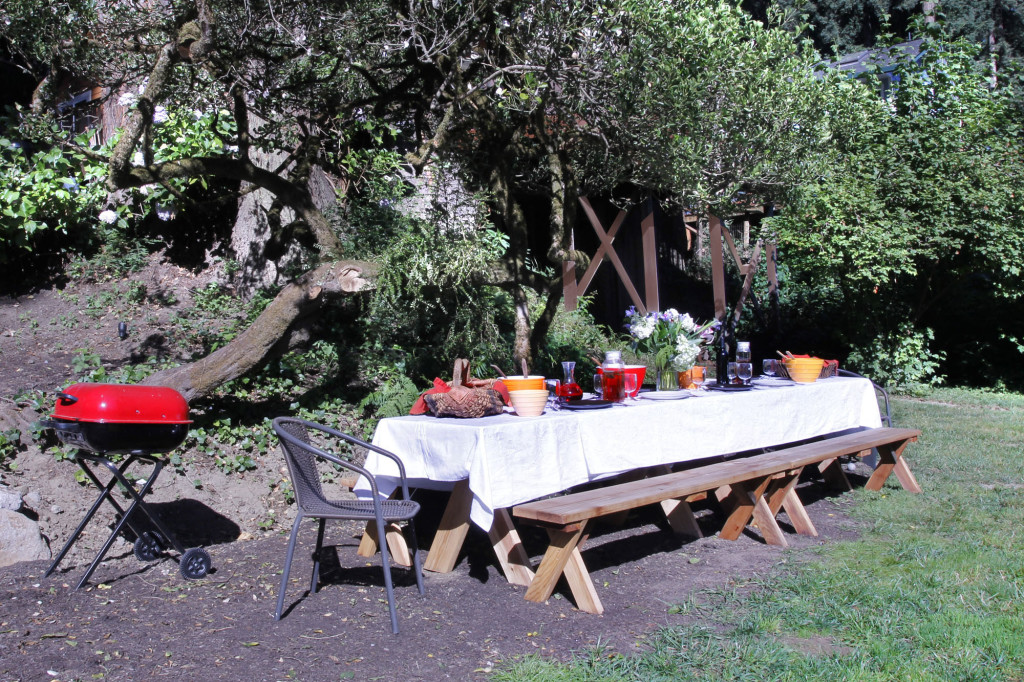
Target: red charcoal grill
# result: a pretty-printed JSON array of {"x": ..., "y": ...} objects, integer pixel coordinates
[{"x": 139, "y": 422}]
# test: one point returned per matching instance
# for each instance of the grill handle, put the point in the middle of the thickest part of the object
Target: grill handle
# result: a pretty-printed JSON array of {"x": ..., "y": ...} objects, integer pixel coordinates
[
  {"x": 67, "y": 397},
  {"x": 58, "y": 425}
]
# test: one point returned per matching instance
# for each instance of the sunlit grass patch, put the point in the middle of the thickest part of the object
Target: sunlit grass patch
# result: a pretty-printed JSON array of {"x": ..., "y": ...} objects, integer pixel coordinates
[{"x": 933, "y": 589}]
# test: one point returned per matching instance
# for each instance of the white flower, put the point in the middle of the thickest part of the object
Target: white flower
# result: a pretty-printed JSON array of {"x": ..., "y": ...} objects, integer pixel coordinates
[
  {"x": 688, "y": 323},
  {"x": 644, "y": 328},
  {"x": 108, "y": 216},
  {"x": 160, "y": 115}
]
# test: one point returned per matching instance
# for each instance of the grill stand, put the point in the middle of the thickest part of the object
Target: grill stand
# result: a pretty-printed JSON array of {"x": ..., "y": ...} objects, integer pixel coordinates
[{"x": 193, "y": 564}]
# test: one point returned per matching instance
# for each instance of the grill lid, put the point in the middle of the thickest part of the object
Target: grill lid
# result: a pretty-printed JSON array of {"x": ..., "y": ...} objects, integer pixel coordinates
[{"x": 121, "y": 404}]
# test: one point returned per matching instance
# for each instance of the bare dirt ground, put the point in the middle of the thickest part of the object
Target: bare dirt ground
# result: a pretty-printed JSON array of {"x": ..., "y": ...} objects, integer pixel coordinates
[
  {"x": 142, "y": 621},
  {"x": 138, "y": 620}
]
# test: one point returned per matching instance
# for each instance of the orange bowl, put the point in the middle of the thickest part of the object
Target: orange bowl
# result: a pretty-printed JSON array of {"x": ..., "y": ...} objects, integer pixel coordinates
[
  {"x": 804, "y": 370},
  {"x": 533, "y": 382}
]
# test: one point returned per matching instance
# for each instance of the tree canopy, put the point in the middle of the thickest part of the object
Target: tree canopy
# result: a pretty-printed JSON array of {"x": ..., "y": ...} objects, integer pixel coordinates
[{"x": 519, "y": 107}]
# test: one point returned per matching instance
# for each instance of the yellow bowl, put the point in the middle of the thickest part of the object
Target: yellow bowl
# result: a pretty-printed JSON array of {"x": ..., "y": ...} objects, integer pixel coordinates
[
  {"x": 529, "y": 402},
  {"x": 519, "y": 383},
  {"x": 804, "y": 370}
]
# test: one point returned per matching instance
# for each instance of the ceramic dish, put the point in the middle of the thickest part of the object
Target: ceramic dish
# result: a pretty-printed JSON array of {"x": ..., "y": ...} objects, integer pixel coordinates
[
  {"x": 665, "y": 395},
  {"x": 728, "y": 389},
  {"x": 591, "y": 404}
]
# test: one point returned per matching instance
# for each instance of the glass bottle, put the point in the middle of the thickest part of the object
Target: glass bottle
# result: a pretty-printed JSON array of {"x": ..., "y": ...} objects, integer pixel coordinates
[
  {"x": 569, "y": 389},
  {"x": 613, "y": 377},
  {"x": 722, "y": 358}
]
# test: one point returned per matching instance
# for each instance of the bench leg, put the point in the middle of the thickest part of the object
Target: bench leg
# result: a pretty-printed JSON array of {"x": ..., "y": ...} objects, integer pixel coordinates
[
  {"x": 681, "y": 519},
  {"x": 832, "y": 471},
  {"x": 781, "y": 494},
  {"x": 444, "y": 551},
  {"x": 563, "y": 556},
  {"x": 395, "y": 539},
  {"x": 890, "y": 460},
  {"x": 766, "y": 523},
  {"x": 512, "y": 557},
  {"x": 798, "y": 515},
  {"x": 776, "y": 492},
  {"x": 742, "y": 498}
]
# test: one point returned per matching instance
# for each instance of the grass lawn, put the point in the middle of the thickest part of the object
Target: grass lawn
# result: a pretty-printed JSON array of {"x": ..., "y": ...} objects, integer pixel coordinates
[{"x": 933, "y": 590}]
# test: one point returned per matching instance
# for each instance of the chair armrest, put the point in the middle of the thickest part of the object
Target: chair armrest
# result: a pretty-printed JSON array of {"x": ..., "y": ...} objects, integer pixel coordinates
[{"x": 341, "y": 462}]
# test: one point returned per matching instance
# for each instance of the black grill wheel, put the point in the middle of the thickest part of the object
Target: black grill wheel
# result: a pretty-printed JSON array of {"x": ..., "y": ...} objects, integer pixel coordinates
[
  {"x": 148, "y": 547},
  {"x": 195, "y": 563}
]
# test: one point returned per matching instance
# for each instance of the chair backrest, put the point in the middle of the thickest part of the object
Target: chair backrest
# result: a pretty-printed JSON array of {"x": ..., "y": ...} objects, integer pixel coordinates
[
  {"x": 882, "y": 393},
  {"x": 301, "y": 461}
]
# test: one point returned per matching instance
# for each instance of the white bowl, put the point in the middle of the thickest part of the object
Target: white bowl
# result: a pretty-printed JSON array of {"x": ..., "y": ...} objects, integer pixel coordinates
[{"x": 529, "y": 402}]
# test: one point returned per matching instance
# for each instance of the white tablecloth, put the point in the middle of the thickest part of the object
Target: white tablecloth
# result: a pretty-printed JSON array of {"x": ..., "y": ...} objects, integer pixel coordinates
[{"x": 510, "y": 459}]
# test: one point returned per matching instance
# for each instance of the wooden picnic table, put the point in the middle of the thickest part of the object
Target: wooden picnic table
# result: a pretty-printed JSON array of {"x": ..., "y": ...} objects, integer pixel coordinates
[{"x": 494, "y": 463}]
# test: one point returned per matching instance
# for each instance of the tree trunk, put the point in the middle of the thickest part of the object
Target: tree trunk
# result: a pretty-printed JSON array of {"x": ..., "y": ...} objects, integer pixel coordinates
[{"x": 269, "y": 332}]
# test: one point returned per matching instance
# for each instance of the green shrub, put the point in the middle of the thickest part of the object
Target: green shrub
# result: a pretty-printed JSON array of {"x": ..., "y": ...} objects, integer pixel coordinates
[{"x": 901, "y": 359}]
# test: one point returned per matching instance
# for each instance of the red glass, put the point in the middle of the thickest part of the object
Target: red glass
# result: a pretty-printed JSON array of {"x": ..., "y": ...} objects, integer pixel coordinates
[{"x": 613, "y": 385}]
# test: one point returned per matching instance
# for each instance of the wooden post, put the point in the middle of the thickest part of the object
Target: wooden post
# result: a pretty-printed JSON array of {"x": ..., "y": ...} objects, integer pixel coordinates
[
  {"x": 717, "y": 266},
  {"x": 650, "y": 257},
  {"x": 569, "y": 295},
  {"x": 771, "y": 254}
]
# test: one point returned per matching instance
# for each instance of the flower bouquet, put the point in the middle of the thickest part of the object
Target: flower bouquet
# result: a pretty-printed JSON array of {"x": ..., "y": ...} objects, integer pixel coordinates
[{"x": 671, "y": 340}]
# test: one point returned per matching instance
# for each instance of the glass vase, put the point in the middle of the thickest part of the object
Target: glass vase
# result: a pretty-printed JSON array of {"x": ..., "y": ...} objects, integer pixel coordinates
[{"x": 668, "y": 380}]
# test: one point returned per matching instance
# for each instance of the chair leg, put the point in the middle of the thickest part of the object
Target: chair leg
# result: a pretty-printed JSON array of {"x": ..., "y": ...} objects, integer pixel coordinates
[
  {"x": 417, "y": 562},
  {"x": 287, "y": 566},
  {"x": 386, "y": 563},
  {"x": 314, "y": 582}
]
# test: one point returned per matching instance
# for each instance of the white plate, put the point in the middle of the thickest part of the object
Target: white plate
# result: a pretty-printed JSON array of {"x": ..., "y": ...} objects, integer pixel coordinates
[{"x": 665, "y": 395}]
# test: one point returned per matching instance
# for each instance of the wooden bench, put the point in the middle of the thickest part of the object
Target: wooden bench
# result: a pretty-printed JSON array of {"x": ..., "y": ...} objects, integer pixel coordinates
[{"x": 754, "y": 487}]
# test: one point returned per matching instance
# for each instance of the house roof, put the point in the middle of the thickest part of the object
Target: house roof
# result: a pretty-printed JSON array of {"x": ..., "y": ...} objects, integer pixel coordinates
[{"x": 882, "y": 59}]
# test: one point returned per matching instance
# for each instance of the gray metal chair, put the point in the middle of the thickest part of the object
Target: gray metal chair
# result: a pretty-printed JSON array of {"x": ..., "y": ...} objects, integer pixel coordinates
[
  {"x": 872, "y": 459},
  {"x": 311, "y": 502},
  {"x": 882, "y": 393}
]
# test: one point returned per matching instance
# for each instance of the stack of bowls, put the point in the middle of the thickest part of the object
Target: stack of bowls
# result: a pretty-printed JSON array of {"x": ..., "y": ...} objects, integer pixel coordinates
[
  {"x": 804, "y": 370},
  {"x": 529, "y": 402}
]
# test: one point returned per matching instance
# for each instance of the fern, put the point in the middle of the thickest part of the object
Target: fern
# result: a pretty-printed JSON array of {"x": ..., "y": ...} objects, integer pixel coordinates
[{"x": 394, "y": 397}]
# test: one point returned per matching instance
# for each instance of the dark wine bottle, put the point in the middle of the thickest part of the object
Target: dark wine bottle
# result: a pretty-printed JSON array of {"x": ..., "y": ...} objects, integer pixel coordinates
[{"x": 722, "y": 358}]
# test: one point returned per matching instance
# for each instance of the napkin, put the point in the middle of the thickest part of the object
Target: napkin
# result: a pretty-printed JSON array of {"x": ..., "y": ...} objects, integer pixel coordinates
[{"x": 442, "y": 386}]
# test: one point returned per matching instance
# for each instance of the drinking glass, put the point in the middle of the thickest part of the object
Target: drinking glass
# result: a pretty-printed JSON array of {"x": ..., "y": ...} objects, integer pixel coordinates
[
  {"x": 597, "y": 385},
  {"x": 743, "y": 351},
  {"x": 710, "y": 373},
  {"x": 768, "y": 367},
  {"x": 554, "y": 400},
  {"x": 697, "y": 376},
  {"x": 732, "y": 369},
  {"x": 745, "y": 371},
  {"x": 630, "y": 380}
]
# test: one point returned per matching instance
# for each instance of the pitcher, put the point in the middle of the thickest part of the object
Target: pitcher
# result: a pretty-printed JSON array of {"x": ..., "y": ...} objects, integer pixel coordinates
[
  {"x": 613, "y": 377},
  {"x": 569, "y": 389}
]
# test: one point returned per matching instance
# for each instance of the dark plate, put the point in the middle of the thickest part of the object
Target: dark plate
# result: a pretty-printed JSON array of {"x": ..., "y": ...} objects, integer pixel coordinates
[
  {"x": 728, "y": 389},
  {"x": 591, "y": 404}
]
